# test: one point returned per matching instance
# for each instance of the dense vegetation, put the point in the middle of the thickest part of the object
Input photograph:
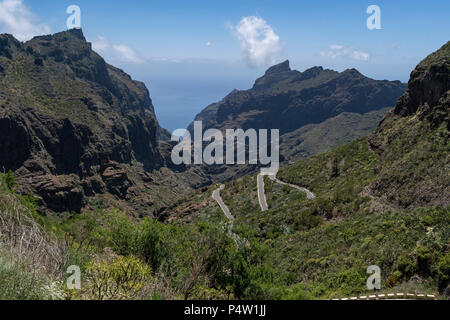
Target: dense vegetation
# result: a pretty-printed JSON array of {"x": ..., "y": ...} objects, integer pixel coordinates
[
  {"x": 120, "y": 258},
  {"x": 326, "y": 244},
  {"x": 290, "y": 254}
]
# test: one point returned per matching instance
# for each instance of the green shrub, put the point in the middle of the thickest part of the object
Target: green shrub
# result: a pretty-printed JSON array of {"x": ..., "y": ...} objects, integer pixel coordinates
[
  {"x": 427, "y": 220},
  {"x": 297, "y": 292},
  {"x": 240, "y": 276},
  {"x": 118, "y": 233},
  {"x": 9, "y": 180},
  {"x": 424, "y": 257},
  {"x": 115, "y": 278},
  {"x": 150, "y": 242},
  {"x": 406, "y": 266},
  {"x": 443, "y": 270}
]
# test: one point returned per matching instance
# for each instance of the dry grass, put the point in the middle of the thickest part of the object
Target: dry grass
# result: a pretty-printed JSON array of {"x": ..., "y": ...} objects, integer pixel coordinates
[{"x": 20, "y": 233}]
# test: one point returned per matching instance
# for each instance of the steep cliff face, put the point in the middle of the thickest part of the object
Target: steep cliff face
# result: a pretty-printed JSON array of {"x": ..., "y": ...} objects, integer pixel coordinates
[
  {"x": 288, "y": 100},
  {"x": 413, "y": 140},
  {"x": 428, "y": 93},
  {"x": 68, "y": 120}
]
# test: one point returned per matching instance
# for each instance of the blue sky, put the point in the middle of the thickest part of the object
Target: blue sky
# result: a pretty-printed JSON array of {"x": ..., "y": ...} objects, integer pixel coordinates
[{"x": 192, "y": 53}]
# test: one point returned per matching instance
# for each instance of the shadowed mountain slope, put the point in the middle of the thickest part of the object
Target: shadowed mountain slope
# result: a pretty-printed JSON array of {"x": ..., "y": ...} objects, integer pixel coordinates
[
  {"x": 73, "y": 126},
  {"x": 288, "y": 100}
]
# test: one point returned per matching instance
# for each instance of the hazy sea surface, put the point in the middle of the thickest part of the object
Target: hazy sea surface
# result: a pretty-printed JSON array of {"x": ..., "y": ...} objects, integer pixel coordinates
[{"x": 178, "y": 101}]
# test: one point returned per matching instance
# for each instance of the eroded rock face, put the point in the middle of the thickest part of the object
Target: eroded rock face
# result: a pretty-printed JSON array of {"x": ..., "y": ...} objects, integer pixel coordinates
[
  {"x": 412, "y": 141},
  {"x": 15, "y": 143},
  {"x": 66, "y": 114},
  {"x": 116, "y": 179},
  {"x": 59, "y": 193},
  {"x": 428, "y": 92}
]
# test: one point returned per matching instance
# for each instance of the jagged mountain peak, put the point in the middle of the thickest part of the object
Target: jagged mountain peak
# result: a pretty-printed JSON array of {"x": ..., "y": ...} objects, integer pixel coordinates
[
  {"x": 8, "y": 45},
  {"x": 314, "y": 69},
  {"x": 429, "y": 88},
  {"x": 353, "y": 72},
  {"x": 71, "y": 34},
  {"x": 7, "y": 38},
  {"x": 274, "y": 74},
  {"x": 278, "y": 68},
  {"x": 71, "y": 42},
  {"x": 440, "y": 57},
  {"x": 309, "y": 73}
]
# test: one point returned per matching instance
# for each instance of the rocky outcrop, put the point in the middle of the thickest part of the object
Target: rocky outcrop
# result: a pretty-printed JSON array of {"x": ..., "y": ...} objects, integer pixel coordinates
[
  {"x": 427, "y": 97},
  {"x": 116, "y": 179},
  {"x": 428, "y": 92},
  {"x": 59, "y": 193},
  {"x": 412, "y": 141}
]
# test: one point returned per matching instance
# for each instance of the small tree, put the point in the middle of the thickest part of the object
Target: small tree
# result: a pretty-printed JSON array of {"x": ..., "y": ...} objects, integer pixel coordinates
[
  {"x": 444, "y": 272},
  {"x": 150, "y": 242},
  {"x": 10, "y": 180},
  {"x": 116, "y": 278},
  {"x": 335, "y": 169}
]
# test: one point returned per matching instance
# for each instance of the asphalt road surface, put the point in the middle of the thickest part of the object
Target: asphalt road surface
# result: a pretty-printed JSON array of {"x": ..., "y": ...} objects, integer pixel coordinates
[
  {"x": 309, "y": 194},
  {"x": 216, "y": 196},
  {"x": 262, "y": 195}
]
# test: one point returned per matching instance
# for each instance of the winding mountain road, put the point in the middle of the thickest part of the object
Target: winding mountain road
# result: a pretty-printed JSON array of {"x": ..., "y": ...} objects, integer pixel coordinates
[
  {"x": 309, "y": 194},
  {"x": 216, "y": 196},
  {"x": 262, "y": 195}
]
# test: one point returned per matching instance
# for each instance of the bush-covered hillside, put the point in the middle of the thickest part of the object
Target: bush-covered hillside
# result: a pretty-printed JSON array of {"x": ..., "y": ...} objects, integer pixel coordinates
[{"x": 381, "y": 200}]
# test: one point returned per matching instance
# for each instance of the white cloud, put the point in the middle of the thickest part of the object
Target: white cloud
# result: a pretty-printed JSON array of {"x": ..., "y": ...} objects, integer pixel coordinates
[
  {"x": 260, "y": 43},
  {"x": 360, "y": 55},
  {"x": 337, "y": 50},
  {"x": 127, "y": 53},
  {"x": 100, "y": 44},
  {"x": 208, "y": 44},
  {"x": 118, "y": 52},
  {"x": 336, "y": 47},
  {"x": 17, "y": 19}
]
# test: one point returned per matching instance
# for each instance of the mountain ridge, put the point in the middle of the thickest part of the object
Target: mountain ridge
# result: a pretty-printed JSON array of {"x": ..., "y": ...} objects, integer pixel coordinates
[
  {"x": 287, "y": 99},
  {"x": 300, "y": 104},
  {"x": 73, "y": 127}
]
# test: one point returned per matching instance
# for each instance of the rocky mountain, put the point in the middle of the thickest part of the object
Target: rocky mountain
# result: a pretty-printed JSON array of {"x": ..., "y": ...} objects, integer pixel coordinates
[
  {"x": 405, "y": 162},
  {"x": 288, "y": 100},
  {"x": 73, "y": 126},
  {"x": 315, "y": 111}
]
